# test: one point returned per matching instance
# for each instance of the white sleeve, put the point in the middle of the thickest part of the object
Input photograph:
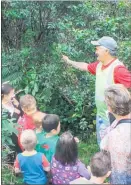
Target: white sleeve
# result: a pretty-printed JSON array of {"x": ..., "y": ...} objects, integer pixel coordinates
[
  {"x": 104, "y": 143},
  {"x": 10, "y": 109}
]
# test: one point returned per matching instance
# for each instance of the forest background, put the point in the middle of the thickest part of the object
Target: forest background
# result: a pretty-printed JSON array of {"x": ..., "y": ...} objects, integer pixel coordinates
[{"x": 35, "y": 34}]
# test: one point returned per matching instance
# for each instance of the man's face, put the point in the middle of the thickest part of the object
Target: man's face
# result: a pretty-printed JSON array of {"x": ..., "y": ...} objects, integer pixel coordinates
[{"x": 101, "y": 53}]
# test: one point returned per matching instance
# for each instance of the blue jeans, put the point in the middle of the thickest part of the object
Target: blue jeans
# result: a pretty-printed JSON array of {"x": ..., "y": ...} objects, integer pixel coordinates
[
  {"x": 120, "y": 178},
  {"x": 101, "y": 126}
]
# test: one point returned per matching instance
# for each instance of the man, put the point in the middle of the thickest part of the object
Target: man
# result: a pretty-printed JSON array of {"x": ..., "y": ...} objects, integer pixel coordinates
[
  {"x": 118, "y": 139},
  {"x": 108, "y": 70}
]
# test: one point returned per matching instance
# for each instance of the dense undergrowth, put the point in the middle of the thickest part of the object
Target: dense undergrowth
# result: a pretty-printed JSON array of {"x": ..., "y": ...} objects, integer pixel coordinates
[
  {"x": 34, "y": 37},
  {"x": 35, "y": 34}
]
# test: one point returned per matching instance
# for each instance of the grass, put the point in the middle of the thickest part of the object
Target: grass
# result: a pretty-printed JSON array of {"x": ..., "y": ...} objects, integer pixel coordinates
[
  {"x": 8, "y": 176},
  {"x": 86, "y": 151}
]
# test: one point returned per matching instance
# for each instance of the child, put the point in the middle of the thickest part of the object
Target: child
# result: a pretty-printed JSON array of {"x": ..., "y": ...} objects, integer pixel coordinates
[
  {"x": 37, "y": 118},
  {"x": 100, "y": 167},
  {"x": 28, "y": 105},
  {"x": 47, "y": 139},
  {"x": 31, "y": 163},
  {"x": 65, "y": 165},
  {"x": 9, "y": 101}
]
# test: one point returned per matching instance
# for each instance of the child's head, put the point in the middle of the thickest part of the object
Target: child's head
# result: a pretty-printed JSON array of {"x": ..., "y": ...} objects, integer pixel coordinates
[
  {"x": 37, "y": 118},
  {"x": 118, "y": 100},
  {"x": 51, "y": 123},
  {"x": 7, "y": 91},
  {"x": 28, "y": 139},
  {"x": 66, "y": 149},
  {"x": 28, "y": 104},
  {"x": 100, "y": 164}
]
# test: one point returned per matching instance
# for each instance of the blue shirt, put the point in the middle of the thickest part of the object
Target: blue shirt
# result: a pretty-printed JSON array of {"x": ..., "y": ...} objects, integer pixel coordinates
[{"x": 32, "y": 168}]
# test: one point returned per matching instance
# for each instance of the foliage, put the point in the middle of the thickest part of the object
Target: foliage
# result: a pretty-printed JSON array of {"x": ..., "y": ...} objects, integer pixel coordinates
[
  {"x": 8, "y": 127},
  {"x": 35, "y": 35},
  {"x": 8, "y": 176},
  {"x": 88, "y": 149}
]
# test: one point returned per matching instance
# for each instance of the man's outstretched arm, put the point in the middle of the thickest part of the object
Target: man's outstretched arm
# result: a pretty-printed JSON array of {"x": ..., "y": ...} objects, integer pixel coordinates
[{"x": 78, "y": 65}]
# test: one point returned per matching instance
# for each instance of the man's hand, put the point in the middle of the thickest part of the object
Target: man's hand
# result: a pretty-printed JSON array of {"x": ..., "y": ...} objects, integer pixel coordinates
[
  {"x": 65, "y": 58},
  {"x": 78, "y": 65}
]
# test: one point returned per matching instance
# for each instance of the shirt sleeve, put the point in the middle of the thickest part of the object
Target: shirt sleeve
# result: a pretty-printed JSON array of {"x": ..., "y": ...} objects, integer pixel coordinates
[
  {"x": 104, "y": 143},
  {"x": 45, "y": 162},
  {"x": 82, "y": 170},
  {"x": 92, "y": 67},
  {"x": 16, "y": 163},
  {"x": 122, "y": 76}
]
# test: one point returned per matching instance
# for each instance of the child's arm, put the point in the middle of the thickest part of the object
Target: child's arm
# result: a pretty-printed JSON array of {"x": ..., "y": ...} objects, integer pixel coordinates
[
  {"x": 45, "y": 163},
  {"x": 83, "y": 171},
  {"x": 17, "y": 166}
]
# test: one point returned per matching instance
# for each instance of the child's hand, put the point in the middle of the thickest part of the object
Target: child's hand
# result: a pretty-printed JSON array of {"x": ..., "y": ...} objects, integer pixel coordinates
[
  {"x": 15, "y": 102},
  {"x": 17, "y": 170},
  {"x": 76, "y": 139},
  {"x": 89, "y": 169},
  {"x": 17, "y": 111}
]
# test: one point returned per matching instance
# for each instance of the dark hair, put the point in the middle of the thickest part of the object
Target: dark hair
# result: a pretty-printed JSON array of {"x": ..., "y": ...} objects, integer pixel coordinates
[
  {"x": 66, "y": 149},
  {"x": 50, "y": 122},
  {"x": 5, "y": 89},
  {"x": 100, "y": 164}
]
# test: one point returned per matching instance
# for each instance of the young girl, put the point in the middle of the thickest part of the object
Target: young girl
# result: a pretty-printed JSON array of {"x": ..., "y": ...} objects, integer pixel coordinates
[
  {"x": 65, "y": 165},
  {"x": 9, "y": 101},
  {"x": 31, "y": 163}
]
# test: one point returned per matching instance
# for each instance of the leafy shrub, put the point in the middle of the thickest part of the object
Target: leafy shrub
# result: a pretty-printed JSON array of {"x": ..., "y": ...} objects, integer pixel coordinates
[
  {"x": 8, "y": 127},
  {"x": 46, "y": 30}
]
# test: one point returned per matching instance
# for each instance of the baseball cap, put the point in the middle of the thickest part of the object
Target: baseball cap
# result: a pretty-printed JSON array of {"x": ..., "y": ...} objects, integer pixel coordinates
[{"x": 107, "y": 42}]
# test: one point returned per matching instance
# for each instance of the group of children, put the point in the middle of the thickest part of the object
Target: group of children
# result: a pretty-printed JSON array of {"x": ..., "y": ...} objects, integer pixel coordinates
[{"x": 46, "y": 157}]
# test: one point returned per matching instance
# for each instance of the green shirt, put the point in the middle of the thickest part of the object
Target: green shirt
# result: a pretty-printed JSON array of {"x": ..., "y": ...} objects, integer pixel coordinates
[{"x": 46, "y": 145}]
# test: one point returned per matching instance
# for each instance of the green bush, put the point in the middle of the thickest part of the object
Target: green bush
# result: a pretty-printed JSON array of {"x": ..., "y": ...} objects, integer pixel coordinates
[
  {"x": 35, "y": 34},
  {"x": 40, "y": 32}
]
